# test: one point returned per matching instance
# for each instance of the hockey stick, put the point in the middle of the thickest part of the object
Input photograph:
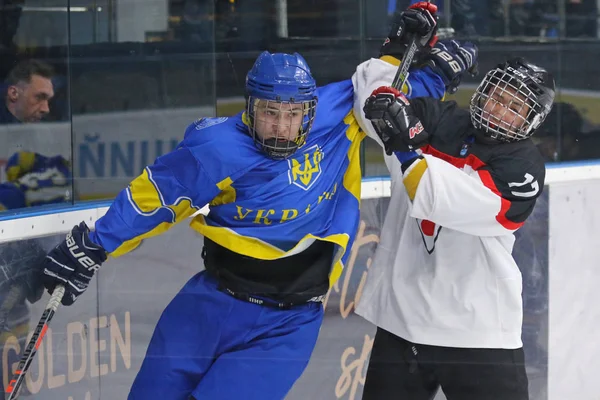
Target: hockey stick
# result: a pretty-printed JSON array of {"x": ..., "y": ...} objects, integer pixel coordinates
[
  {"x": 402, "y": 72},
  {"x": 12, "y": 391}
]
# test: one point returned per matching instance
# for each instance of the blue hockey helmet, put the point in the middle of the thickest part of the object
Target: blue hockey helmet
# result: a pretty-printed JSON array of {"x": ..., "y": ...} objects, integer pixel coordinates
[{"x": 281, "y": 103}]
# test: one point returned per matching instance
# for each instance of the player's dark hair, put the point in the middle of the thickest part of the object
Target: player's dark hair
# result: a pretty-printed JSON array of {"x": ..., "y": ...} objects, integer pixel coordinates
[{"x": 24, "y": 70}]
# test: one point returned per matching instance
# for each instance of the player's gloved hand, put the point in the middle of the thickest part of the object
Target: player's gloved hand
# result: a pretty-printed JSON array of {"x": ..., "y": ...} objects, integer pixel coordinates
[
  {"x": 73, "y": 263},
  {"x": 394, "y": 120},
  {"x": 418, "y": 20},
  {"x": 451, "y": 59}
]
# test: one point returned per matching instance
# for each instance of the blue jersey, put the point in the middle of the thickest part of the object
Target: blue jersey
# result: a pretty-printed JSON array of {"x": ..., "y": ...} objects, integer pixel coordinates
[
  {"x": 34, "y": 179},
  {"x": 259, "y": 207}
]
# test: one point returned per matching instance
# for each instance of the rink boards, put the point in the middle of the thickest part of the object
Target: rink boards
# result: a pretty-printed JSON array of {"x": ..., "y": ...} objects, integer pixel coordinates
[{"x": 96, "y": 346}]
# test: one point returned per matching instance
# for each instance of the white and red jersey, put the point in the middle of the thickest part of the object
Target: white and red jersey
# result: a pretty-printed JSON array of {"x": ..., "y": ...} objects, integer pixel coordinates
[{"x": 443, "y": 273}]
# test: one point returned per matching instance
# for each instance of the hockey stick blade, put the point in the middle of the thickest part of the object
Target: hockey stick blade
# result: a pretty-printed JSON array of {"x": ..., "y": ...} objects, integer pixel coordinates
[{"x": 14, "y": 385}]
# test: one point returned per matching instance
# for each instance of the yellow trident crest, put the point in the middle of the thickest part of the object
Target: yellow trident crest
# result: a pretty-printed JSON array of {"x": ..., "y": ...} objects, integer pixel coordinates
[{"x": 305, "y": 170}]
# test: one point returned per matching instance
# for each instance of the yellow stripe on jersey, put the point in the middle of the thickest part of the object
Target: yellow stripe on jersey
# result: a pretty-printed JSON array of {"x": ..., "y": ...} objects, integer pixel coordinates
[
  {"x": 255, "y": 248},
  {"x": 144, "y": 193},
  {"x": 25, "y": 162},
  {"x": 412, "y": 177},
  {"x": 227, "y": 195},
  {"x": 147, "y": 199},
  {"x": 229, "y": 239},
  {"x": 390, "y": 60},
  {"x": 352, "y": 179},
  {"x": 224, "y": 183},
  {"x": 353, "y": 175},
  {"x": 182, "y": 210},
  {"x": 396, "y": 62}
]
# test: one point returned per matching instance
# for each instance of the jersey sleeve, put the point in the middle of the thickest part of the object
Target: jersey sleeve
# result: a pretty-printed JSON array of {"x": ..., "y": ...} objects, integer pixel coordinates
[
  {"x": 492, "y": 201},
  {"x": 173, "y": 188},
  {"x": 374, "y": 73}
]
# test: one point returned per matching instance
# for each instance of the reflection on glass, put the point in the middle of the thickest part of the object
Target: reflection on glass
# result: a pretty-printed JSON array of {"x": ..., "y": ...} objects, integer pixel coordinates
[
  {"x": 141, "y": 71},
  {"x": 10, "y": 14},
  {"x": 36, "y": 169},
  {"x": 134, "y": 92},
  {"x": 20, "y": 285}
]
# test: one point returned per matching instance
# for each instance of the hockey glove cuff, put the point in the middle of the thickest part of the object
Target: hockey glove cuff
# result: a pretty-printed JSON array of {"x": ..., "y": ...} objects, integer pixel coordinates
[
  {"x": 73, "y": 263},
  {"x": 451, "y": 59}
]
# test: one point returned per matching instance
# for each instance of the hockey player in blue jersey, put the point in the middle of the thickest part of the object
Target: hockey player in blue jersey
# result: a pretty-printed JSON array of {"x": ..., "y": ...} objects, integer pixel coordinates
[{"x": 283, "y": 183}]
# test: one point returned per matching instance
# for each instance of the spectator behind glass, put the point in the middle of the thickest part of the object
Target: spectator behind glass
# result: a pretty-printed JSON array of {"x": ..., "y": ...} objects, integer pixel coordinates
[
  {"x": 28, "y": 92},
  {"x": 542, "y": 18},
  {"x": 471, "y": 17},
  {"x": 581, "y": 18},
  {"x": 198, "y": 21},
  {"x": 32, "y": 179}
]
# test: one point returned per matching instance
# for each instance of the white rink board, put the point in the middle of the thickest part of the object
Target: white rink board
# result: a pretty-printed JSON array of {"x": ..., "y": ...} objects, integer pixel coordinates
[
  {"x": 574, "y": 291},
  {"x": 34, "y": 225}
]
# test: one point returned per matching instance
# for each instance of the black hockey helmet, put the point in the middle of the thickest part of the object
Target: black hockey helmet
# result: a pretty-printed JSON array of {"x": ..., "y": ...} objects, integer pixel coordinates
[{"x": 526, "y": 93}]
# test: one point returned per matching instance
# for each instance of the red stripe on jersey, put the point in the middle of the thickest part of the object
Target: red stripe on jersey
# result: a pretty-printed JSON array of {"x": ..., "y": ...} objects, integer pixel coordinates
[
  {"x": 488, "y": 181},
  {"x": 459, "y": 162},
  {"x": 485, "y": 177}
]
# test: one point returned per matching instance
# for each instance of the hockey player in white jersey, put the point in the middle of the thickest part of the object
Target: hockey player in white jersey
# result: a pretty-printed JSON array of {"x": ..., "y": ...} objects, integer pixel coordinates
[{"x": 443, "y": 288}]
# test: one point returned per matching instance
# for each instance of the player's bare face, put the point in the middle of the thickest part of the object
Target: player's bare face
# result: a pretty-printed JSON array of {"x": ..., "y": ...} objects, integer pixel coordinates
[
  {"x": 505, "y": 108},
  {"x": 277, "y": 120}
]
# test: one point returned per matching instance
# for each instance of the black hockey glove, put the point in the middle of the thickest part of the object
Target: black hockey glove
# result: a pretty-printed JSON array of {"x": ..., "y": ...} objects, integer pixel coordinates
[
  {"x": 419, "y": 20},
  {"x": 451, "y": 59},
  {"x": 73, "y": 263},
  {"x": 394, "y": 120}
]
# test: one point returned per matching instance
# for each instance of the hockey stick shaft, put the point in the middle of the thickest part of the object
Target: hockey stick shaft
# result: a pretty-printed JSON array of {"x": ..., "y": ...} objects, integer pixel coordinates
[
  {"x": 12, "y": 391},
  {"x": 402, "y": 72}
]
